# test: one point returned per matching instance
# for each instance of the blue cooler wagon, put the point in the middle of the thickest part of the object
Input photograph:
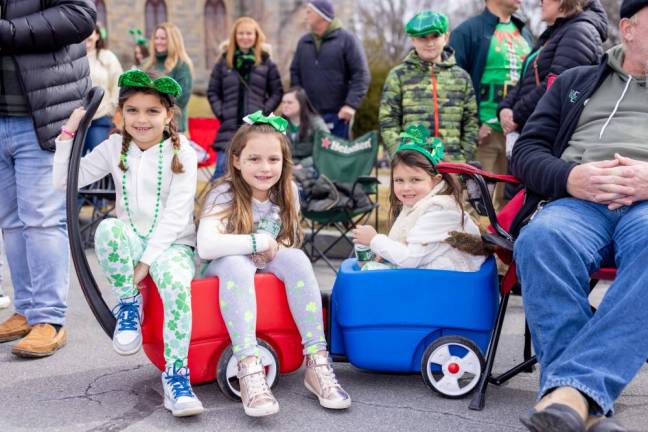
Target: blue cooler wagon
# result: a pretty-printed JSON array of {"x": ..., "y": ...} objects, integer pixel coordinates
[{"x": 435, "y": 322}]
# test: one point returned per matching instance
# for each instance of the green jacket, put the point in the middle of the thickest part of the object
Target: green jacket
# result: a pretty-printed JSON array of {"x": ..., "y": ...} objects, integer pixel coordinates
[
  {"x": 407, "y": 99},
  {"x": 182, "y": 74}
]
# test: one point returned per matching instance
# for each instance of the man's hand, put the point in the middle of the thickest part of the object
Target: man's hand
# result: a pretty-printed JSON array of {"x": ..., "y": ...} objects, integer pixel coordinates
[
  {"x": 506, "y": 120},
  {"x": 141, "y": 271},
  {"x": 346, "y": 113},
  {"x": 603, "y": 182},
  {"x": 627, "y": 185},
  {"x": 484, "y": 132},
  {"x": 363, "y": 234}
]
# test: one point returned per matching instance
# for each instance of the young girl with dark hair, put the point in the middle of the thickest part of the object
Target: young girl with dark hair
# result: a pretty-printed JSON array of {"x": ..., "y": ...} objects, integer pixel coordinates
[
  {"x": 154, "y": 170},
  {"x": 303, "y": 122},
  {"x": 250, "y": 220},
  {"x": 430, "y": 228}
]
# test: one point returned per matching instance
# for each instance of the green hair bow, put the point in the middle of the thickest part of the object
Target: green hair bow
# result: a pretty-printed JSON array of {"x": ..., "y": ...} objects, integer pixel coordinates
[
  {"x": 279, "y": 123},
  {"x": 138, "y": 78},
  {"x": 417, "y": 138}
]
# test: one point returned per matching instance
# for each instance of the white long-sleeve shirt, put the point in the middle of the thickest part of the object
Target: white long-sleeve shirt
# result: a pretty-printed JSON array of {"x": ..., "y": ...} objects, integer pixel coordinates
[
  {"x": 175, "y": 218},
  {"x": 214, "y": 242},
  {"x": 104, "y": 72}
]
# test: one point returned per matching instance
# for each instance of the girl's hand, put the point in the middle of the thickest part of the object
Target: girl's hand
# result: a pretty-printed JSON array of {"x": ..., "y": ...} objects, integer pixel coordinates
[
  {"x": 271, "y": 252},
  {"x": 72, "y": 124},
  {"x": 141, "y": 271},
  {"x": 506, "y": 120},
  {"x": 363, "y": 234}
]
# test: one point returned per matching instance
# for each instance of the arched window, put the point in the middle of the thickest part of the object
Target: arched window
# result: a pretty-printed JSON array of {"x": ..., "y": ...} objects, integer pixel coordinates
[
  {"x": 102, "y": 15},
  {"x": 216, "y": 30},
  {"x": 156, "y": 13}
]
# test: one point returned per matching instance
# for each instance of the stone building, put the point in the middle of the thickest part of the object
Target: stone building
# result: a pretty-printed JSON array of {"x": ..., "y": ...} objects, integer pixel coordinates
[{"x": 206, "y": 23}]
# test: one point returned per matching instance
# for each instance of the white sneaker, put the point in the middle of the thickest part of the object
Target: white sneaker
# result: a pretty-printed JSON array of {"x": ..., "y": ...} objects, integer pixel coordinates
[
  {"x": 127, "y": 338},
  {"x": 5, "y": 301},
  {"x": 179, "y": 398}
]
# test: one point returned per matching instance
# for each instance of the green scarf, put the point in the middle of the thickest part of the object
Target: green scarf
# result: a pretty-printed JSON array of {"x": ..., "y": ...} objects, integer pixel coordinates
[
  {"x": 336, "y": 24},
  {"x": 244, "y": 62}
]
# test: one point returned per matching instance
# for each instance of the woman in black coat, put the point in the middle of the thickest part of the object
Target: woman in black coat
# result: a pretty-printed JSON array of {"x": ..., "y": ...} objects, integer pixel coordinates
[
  {"x": 575, "y": 36},
  {"x": 244, "y": 81}
]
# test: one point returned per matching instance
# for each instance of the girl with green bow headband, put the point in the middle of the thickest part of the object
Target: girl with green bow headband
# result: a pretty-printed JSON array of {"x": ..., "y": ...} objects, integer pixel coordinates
[
  {"x": 430, "y": 228},
  {"x": 250, "y": 220},
  {"x": 155, "y": 173}
]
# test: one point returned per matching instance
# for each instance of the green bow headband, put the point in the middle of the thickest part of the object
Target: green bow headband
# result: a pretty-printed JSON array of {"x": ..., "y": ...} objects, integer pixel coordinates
[
  {"x": 417, "y": 138},
  {"x": 279, "y": 123},
  {"x": 138, "y": 36},
  {"x": 138, "y": 78}
]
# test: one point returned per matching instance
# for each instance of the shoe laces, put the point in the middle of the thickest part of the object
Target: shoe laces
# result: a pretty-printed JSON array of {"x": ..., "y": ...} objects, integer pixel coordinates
[
  {"x": 128, "y": 315},
  {"x": 326, "y": 375},
  {"x": 178, "y": 380}
]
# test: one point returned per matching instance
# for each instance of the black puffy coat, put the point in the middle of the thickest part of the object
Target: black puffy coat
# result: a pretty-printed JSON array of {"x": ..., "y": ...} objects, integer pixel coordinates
[
  {"x": 569, "y": 42},
  {"x": 262, "y": 92},
  {"x": 46, "y": 40}
]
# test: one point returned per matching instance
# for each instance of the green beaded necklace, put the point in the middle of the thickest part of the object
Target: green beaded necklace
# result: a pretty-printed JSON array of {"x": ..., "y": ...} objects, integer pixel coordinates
[{"x": 158, "y": 190}]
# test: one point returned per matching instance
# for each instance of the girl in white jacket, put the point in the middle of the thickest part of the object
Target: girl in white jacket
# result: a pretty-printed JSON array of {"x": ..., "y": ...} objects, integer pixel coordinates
[
  {"x": 154, "y": 170},
  {"x": 431, "y": 230}
]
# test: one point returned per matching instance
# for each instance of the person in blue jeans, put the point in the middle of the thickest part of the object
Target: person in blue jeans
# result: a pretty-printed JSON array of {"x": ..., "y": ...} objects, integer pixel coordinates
[
  {"x": 583, "y": 158},
  {"x": 5, "y": 301},
  {"x": 41, "y": 41}
]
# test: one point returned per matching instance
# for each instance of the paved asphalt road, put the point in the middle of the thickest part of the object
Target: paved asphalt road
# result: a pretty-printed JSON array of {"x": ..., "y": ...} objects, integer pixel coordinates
[{"x": 87, "y": 387}]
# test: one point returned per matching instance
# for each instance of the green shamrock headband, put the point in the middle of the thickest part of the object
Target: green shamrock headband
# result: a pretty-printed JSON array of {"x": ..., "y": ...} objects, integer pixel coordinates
[
  {"x": 279, "y": 123},
  {"x": 138, "y": 78},
  {"x": 417, "y": 138},
  {"x": 138, "y": 36}
]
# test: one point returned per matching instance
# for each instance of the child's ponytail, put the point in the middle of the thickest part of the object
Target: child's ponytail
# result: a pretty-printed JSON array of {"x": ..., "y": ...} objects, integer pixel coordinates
[{"x": 176, "y": 165}]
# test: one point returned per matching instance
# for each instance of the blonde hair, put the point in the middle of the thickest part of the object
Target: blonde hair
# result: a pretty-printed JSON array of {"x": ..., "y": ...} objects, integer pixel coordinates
[
  {"x": 258, "y": 43},
  {"x": 237, "y": 218},
  {"x": 176, "y": 51}
]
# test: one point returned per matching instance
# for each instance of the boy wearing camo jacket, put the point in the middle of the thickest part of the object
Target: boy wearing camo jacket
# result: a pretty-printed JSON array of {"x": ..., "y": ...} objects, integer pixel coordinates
[{"x": 429, "y": 88}]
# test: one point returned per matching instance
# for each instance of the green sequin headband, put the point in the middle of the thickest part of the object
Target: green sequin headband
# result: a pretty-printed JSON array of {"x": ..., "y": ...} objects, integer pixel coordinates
[
  {"x": 138, "y": 78},
  {"x": 138, "y": 36},
  {"x": 279, "y": 123},
  {"x": 417, "y": 138}
]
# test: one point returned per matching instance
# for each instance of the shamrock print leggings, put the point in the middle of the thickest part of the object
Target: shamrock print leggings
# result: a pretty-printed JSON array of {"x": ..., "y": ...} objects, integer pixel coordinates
[
  {"x": 119, "y": 249},
  {"x": 238, "y": 298}
]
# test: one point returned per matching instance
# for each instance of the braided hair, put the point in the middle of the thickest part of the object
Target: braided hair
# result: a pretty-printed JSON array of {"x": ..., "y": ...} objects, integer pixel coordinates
[{"x": 168, "y": 102}]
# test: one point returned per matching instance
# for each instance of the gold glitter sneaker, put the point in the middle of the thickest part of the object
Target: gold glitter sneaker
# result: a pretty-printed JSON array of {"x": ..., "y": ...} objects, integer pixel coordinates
[
  {"x": 256, "y": 396},
  {"x": 321, "y": 381}
]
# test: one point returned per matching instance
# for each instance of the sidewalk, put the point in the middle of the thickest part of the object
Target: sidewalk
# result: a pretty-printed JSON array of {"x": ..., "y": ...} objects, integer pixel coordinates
[{"x": 87, "y": 387}]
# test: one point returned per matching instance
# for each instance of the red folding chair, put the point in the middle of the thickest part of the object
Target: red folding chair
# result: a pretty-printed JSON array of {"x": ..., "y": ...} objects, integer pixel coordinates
[
  {"x": 203, "y": 131},
  {"x": 499, "y": 235}
]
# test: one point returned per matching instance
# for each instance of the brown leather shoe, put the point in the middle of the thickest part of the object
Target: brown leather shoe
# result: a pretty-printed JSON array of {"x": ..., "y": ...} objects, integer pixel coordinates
[
  {"x": 14, "y": 328},
  {"x": 42, "y": 341}
]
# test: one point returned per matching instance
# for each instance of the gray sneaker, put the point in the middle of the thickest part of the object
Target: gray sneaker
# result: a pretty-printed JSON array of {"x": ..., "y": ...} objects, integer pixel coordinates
[{"x": 127, "y": 338}]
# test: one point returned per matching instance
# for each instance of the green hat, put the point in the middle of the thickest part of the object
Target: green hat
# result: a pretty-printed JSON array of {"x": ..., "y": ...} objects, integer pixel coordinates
[{"x": 427, "y": 22}]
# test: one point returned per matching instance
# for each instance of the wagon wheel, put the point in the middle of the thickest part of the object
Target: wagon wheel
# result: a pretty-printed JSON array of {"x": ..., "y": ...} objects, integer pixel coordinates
[{"x": 452, "y": 366}]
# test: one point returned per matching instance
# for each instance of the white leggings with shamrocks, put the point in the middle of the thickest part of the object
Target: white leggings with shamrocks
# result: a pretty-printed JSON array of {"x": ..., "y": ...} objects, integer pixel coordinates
[
  {"x": 119, "y": 249},
  {"x": 238, "y": 298}
]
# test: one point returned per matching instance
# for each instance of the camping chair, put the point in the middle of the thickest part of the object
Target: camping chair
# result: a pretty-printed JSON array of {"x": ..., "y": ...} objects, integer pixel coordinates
[
  {"x": 95, "y": 203},
  {"x": 344, "y": 162},
  {"x": 202, "y": 131},
  {"x": 498, "y": 235}
]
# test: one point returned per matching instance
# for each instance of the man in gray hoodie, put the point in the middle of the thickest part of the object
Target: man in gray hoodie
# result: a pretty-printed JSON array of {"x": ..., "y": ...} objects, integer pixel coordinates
[{"x": 583, "y": 155}]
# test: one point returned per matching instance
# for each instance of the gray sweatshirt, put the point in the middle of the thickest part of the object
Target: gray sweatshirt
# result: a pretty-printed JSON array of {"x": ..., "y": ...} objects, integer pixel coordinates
[{"x": 615, "y": 118}]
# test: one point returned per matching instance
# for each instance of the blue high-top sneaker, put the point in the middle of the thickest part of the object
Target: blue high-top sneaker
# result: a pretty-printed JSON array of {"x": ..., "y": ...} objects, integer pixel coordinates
[
  {"x": 179, "y": 398},
  {"x": 127, "y": 338}
]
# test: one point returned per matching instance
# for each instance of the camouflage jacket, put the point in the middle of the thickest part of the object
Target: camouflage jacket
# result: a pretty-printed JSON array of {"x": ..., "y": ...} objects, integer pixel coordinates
[{"x": 408, "y": 99}]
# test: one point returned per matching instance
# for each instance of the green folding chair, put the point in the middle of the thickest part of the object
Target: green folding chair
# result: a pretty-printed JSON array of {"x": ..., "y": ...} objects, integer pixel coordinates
[{"x": 343, "y": 161}]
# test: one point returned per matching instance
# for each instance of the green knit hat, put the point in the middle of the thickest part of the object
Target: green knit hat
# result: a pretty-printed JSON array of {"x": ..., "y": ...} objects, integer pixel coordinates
[{"x": 427, "y": 22}]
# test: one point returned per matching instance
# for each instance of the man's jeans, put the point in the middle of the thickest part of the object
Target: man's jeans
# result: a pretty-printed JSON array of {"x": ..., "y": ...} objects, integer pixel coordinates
[
  {"x": 32, "y": 216},
  {"x": 596, "y": 353}
]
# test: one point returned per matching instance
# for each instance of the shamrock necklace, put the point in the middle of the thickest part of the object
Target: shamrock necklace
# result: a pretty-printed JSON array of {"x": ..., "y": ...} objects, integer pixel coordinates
[{"x": 158, "y": 190}]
